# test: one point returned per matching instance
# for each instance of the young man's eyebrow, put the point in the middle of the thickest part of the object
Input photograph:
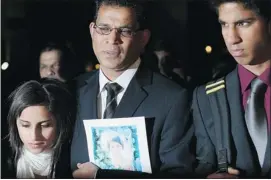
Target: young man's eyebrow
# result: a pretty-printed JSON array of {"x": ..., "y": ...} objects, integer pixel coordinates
[
  {"x": 246, "y": 19},
  {"x": 241, "y": 20}
]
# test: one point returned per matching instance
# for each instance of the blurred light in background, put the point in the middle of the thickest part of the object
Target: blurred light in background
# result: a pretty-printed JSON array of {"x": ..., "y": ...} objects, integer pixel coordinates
[
  {"x": 97, "y": 66},
  {"x": 208, "y": 49},
  {"x": 4, "y": 66}
]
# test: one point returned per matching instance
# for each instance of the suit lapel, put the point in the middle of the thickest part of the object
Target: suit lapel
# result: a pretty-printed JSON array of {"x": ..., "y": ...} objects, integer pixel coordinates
[
  {"x": 88, "y": 98},
  {"x": 241, "y": 138},
  {"x": 135, "y": 93}
]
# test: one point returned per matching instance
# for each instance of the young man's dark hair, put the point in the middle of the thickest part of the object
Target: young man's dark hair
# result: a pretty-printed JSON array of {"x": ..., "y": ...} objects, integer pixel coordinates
[{"x": 260, "y": 7}]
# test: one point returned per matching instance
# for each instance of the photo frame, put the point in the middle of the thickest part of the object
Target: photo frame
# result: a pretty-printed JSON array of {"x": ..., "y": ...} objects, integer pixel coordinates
[{"x": 119, "y": 143}]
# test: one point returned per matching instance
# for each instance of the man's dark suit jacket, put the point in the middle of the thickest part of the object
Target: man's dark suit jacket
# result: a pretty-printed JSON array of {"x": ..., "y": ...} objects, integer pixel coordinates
[
  {"x": 160, "y": 100},
  {"x": 243, "y": 153}
]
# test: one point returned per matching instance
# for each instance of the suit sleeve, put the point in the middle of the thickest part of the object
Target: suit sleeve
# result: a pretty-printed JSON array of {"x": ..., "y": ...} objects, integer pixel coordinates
[
  {"x": 176, "y": 138},
  {"x": 205, "y": 150}
]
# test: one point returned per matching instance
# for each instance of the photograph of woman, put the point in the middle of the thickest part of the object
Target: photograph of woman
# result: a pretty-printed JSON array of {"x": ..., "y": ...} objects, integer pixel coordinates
[{"x": 40, "y": 119}]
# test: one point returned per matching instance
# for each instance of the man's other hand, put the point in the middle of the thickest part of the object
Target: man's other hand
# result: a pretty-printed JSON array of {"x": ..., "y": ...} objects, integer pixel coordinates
[
  {"x": 86, "y": 170},
  {"x": 231, "y": 174}
]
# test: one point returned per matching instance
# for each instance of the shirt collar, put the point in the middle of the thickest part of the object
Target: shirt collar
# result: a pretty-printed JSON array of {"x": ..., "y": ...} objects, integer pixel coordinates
[
  {"x": 246, "y": 77},
  {"x": 266, "y": 77},
  {"x": 123, "y": 80}
]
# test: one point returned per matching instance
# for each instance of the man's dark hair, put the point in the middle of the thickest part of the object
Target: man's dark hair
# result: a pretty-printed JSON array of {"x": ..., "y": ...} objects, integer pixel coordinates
[
  {"x": 139, "y": 6},
  {"x": 260, "y": 7}
]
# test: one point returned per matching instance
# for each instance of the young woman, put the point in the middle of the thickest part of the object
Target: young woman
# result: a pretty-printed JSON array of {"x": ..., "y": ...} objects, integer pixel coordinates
[{"x": 40, "y": 119}]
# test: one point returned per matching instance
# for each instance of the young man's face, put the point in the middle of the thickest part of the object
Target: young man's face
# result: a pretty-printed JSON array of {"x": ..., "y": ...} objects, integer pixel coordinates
[
  {"x": 246, "y": 35},
  {"x": 114, "y": 51}
]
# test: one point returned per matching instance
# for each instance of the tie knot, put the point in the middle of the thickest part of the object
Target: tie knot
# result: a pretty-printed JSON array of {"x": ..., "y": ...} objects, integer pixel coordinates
[
  {"x": 113, "y": 87},
  {"x": 258, "y": 86}
]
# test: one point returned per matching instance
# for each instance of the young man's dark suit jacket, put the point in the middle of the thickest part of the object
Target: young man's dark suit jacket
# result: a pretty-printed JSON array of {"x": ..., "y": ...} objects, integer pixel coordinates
[
  {"x": 151, "y": 95},
  {"x": 243, "y": 152}
]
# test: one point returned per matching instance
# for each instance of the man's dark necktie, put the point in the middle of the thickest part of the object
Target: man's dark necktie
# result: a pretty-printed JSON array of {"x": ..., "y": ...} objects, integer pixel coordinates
[
  {"x": 256, "y": 117},
  {"x": 113, "y": 89}
]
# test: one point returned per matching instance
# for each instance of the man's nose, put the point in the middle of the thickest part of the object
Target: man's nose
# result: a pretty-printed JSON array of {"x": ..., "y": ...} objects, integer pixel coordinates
[
  {"x": 232, "y": 36},
  {"x": 50, "y": 72},
  {"x": 114, "y": 37}
]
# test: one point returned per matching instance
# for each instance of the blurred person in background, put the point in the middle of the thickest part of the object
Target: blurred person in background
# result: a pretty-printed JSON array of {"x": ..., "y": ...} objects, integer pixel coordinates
[
  {"x": 57, "y": 60},
  {"x": 168, "y": 65}
]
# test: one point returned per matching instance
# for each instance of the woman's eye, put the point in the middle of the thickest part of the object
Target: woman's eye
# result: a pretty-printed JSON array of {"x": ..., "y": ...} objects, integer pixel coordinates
[
  {"x": 45, "y": 125},
  {"x": 25, "y": 125}
]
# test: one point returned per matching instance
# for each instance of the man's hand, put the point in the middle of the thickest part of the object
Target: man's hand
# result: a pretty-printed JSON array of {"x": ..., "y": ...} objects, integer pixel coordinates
[
  {"x": 232, "y": 174},
  {"x": 86, "y": 170}
]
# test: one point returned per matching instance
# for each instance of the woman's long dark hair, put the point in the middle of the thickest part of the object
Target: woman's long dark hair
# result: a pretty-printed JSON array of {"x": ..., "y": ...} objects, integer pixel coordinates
[{"x": 55, "y": 96}]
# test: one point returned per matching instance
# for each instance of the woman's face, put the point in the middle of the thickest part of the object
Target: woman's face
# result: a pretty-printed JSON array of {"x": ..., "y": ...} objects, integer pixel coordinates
[{"x": 37, "y": 128}]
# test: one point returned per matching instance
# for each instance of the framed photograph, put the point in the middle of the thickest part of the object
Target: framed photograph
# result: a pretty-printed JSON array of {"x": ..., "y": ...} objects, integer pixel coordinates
[{"x": 119, "y": 143}]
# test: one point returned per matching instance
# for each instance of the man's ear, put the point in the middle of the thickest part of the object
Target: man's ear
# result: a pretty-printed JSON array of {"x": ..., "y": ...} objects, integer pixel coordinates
[
  {"x": 146, "y": 34},
  {"x": 91, "y": 28}
]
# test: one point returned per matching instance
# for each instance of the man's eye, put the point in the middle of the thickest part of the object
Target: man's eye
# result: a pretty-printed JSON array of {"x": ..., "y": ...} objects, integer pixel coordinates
[
  {"x": 243, "y": 23},
  {"x": 223, "y": 24},
  {"x": 104, "y": 28},
  {"x": 42, "y": 67},
  {"x": 56, "y": 66},
  {"x": 126, "y": 31}
]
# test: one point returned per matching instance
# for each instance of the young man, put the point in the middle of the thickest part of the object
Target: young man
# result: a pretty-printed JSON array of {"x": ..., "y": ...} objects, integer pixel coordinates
[
  {"x": 232, "y": 115},
  {"x": 123, "y": 87}
]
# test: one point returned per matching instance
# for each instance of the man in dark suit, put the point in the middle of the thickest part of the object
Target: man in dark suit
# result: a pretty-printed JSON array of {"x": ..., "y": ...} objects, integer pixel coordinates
[
  {"x": 119, "y": 34},
  {"x": 232, "y": 114}
]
